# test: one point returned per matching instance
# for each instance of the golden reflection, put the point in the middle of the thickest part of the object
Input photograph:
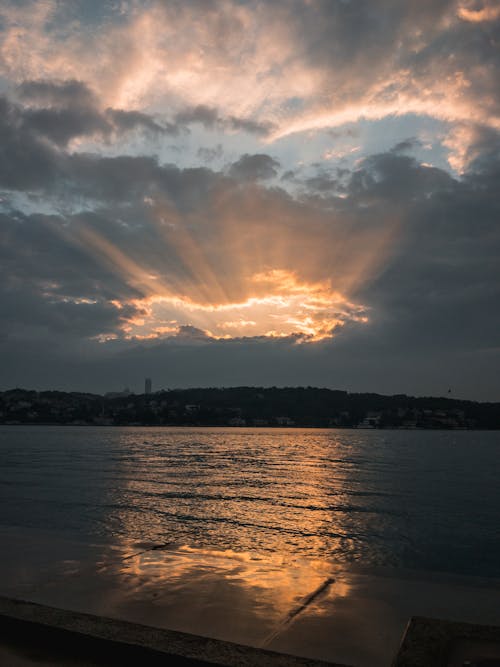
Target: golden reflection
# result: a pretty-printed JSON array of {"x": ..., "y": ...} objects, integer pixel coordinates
[
  {"x": 291, "y": 522},
  {"x": 268, "y": 591}
]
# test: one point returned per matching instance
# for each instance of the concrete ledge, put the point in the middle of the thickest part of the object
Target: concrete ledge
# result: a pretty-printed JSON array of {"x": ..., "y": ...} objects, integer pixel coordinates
[
  {"x": 38, "y": 633},
  {"x": 430, "y": 642}
]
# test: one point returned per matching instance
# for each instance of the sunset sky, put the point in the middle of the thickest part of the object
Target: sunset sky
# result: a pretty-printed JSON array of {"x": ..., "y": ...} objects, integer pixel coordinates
[{"x": 238, "y": 192}]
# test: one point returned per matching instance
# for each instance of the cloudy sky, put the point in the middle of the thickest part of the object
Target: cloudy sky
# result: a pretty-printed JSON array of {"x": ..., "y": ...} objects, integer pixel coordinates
[{"x": 271, "y": 192}]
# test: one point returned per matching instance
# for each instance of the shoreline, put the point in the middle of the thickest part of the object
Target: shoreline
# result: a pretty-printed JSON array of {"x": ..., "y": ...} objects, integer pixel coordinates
[
  {"x": 251, "y": 427},
  {"x": 359, "y": 618}
]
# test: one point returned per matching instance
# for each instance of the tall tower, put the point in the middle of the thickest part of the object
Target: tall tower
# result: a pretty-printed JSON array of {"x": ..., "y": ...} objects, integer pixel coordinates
[{"x": 147, "y": 385}]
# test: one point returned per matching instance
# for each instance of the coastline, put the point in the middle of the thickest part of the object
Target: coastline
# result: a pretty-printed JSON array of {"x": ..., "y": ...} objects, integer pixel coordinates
[{"x": 249, "y": 426}]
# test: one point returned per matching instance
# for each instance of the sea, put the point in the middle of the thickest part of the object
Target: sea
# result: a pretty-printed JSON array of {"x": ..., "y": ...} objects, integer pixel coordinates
[{"x": 421, "y": 500}]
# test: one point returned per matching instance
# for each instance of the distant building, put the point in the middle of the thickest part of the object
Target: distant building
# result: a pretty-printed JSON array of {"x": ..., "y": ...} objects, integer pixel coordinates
[
  {"x": 147, "y": 385},
  {"x": 285, "y": 421},
  {"x": 237, "y": 421},
  {"x": 372, "y": 420}
]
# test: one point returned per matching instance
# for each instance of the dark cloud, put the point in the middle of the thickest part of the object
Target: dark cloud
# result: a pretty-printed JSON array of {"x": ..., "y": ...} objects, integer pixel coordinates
[
  {"x": 29, "y": 163},
  {"x": 70, "y": 93},
  {"x": 397, "y": 178},
  {"x": 204, "y": 115},
  {"x": 465, "y": 50},
  {"x": 324, "y": 182},
  {"x": 433, "y": 296},
  {"x": 261, "y": 129},
  {"x": 406, "y": 145},
  {"x": 127, "y": 179},
  {"x": 438, "y": 288},
  {"x": 62, "y": 125},
  {"x": 254, "y": 167},
  {"x": 26, "y": 161},
  {"x": 483, "y": 151},
  {"x": 125, "y": 121},
  {"x": 438, "y": 291},
  {"x": 188, "y": 333},
  {"x": 210, "y": 154},
  {"x": 210, "y": 118},
  {"x": 355, "y": 364},
  {"x": 47, "y": 249},
  {"x": 59, "y": 112}
]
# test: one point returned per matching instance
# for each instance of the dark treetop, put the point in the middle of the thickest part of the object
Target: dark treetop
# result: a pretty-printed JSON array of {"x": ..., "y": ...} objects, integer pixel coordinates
[{"x": 246, "y": 406}]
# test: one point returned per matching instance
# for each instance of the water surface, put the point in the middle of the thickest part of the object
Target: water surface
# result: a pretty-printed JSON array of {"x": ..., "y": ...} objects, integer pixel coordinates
[{"x": 413, "y": 499}]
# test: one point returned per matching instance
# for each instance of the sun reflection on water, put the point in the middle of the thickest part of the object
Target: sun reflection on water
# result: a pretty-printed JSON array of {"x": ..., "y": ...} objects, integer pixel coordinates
[{"x": 237, "y": 518}]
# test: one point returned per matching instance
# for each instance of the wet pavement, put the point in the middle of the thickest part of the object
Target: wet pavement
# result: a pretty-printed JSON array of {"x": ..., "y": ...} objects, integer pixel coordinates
[{"x": 304, "y": 607}]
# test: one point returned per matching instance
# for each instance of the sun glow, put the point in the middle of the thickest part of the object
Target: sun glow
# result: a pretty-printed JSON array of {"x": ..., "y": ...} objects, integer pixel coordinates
[
  {"x": 228, "y": 273},
  {"x": 285, "y": 307}
]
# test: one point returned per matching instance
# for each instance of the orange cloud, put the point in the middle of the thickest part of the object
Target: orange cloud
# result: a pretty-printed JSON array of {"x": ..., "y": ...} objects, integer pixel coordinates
[
  {"x": 252, "y": 61},
  {"x": 285, "y": 307},
  {"x": 246, "y": 262},
  {"x": 486, "y": 13},
  {"x": 243, "y": 59}
]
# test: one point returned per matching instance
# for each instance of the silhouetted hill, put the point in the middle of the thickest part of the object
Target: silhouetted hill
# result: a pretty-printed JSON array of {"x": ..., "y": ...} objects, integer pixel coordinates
[{"x": 247, "y": 406}]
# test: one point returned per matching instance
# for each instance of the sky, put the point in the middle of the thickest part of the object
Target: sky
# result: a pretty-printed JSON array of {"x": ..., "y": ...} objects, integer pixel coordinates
[{"x": 250, "y": 192}]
